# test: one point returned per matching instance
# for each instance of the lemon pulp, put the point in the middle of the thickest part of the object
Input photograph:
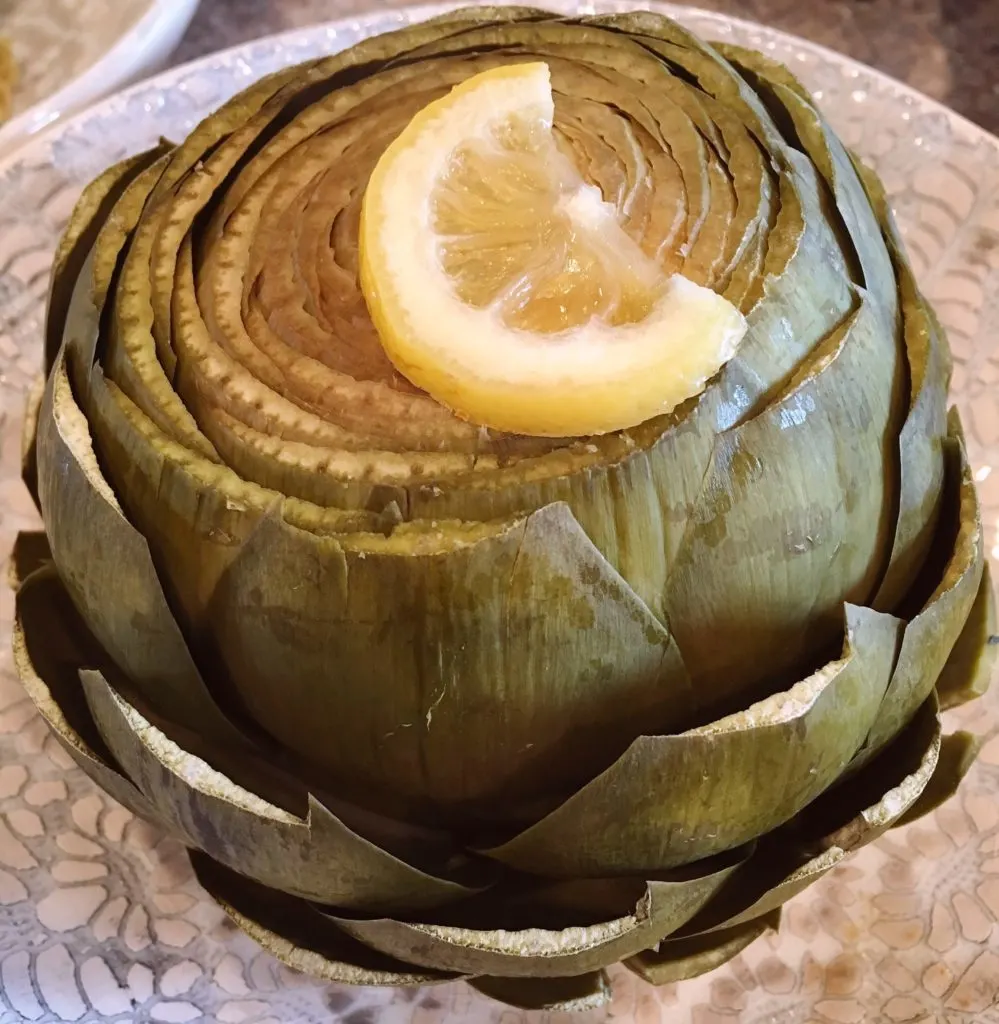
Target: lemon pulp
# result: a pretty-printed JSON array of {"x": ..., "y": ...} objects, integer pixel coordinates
[{"x": 503, "y": 284}]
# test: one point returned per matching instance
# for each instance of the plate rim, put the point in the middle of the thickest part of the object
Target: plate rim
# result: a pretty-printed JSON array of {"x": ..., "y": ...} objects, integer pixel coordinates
[
  {"x": 127, "y": 57},
  {"x": 422, "y": 11}
]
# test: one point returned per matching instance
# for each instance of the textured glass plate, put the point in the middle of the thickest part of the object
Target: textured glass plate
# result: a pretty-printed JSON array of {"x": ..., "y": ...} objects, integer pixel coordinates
[
  {"x": 99, "y": 916},
  {"x": 71, "y": 52}
]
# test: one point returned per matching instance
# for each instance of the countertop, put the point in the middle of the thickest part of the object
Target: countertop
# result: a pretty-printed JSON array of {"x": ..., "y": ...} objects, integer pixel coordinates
[{"x": 948, "y": 49}]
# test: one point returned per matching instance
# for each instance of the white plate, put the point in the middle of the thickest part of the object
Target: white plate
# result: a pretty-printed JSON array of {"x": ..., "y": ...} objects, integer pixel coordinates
[
  {"x": 98, "y": 910},
  {"x": 71, "y": 52}
]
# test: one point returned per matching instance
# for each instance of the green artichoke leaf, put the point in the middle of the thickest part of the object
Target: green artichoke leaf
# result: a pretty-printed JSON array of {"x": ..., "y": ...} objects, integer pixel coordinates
[
  {"x": 930, "y": 636},
  {"x": 844, "y": 819},
  {"x": 579, "y": 994},
  {"x": 681, "y": 959},
  {"x": 631, "y": 493},
  {"x": 47, "y": 655},
  {"x": 805, "y": 295},
  {"x": 836, "y": 167},
  {"x": 90, "y": 214},
  {"x": 468, "y": 669},
  {"x": 130, "y": 357},
  {"x": 31, "y": 551},
  {"x": 678, "y": 798},
  {"x": 970, "y": 668},
  {"x": 921, "y": 439},
  {"x": 293, "y": 932},
  {"x": 958, "y": 752},
  {"x": 92, "y": 289},
  {"x": 108, "y": 570},
  {"x": 666, "y": 905},
  {"x": 29, "y": 437},
  {"x": 250, "y": 835},
  {"x": 194, "y": 513},
  {"x": 790, "y": 518}
]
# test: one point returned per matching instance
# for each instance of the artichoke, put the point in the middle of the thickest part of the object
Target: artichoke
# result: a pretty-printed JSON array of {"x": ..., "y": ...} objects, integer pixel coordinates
[{"x": 429, "y": 701}]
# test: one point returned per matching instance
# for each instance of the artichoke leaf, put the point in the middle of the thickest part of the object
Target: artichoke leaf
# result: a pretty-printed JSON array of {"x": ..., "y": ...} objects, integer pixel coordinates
[
  {"x": 578, "y": 994},
  {"x": 29, "y": 438},
  {"x": 293, "y": 932},
  {"x": 806, "y": 295},
  {"x": 457, "y": 608},
  {"x": 92, "y": 290},
  {"x": 930, "y": 636},
  {"x": 681, "y": 959},
  {"x": 833, "y": 161},
  {"x": 843, "y": 820},
  {"x": 195, "y": 513},
  {"x": 958, "y": 752},
  {"x": 250, "y": 835},
  {"x": 970, "y": 668},
  {"x": 789, "y": 518},
  {"x": 108, "y": 570},
  {"x": 91, "y": 212},
  {"x": 631, "y": 493},
  {"x": 921, "y": 439},
  {"x": 49, "y": 644},
  {"x": 675, "y": 799},
  {"x": 31, "y": 551},
  {"x": 666, "y": 905},
  {"x": 130, "y": 358}
]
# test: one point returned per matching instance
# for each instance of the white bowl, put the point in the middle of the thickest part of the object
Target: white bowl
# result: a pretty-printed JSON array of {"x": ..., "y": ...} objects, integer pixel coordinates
[{"x": 72, "y": 52}]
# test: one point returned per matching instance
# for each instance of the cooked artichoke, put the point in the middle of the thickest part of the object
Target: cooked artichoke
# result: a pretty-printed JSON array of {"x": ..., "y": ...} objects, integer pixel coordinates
[{"x": 430, "y": 701}]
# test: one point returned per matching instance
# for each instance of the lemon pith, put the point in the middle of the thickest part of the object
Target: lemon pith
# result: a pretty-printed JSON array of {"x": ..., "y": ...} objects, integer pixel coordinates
[{"x": 501, "y": 283}]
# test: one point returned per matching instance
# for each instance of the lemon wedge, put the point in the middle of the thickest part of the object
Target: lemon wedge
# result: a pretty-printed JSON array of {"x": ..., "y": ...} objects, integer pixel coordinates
[{"x": 502, "y": 283}]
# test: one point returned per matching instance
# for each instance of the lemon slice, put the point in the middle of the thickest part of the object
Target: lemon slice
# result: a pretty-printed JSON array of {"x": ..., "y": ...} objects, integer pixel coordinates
[{"x": 503, "y": 284}]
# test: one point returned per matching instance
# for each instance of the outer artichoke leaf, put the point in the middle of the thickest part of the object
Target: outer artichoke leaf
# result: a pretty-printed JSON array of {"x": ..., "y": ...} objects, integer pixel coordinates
[
  {"x": 108, "y": 570},
  {"x": 806, "y": 295},
  {"x": 29, "y": 437},
  {"x": 195, "y": 513},
  {"x": 675, "y": 799},
  {"x": 89, "y": 215},
  {"x": 793, "y": 517},
  {"x": 844, "y": 819},
  {"x": 50, "y": 643},
  {"x": 851, "y": 200},
  {"x": 970, "y": 668},
  {"x": 31, "y": 551},
  {"x": 579, "y": 994},
  {"x": 630, "y": 492},
  {"x": 290, "y": 930},
  {"x": 326, "y": 651},
  {"x": 958, "y": 752},
  {"x": 921, "y": 438},
  {"x": 129, "y": 355},
  {"x": 538, "y": 952},
  {"x": 931, "y": 635},
  {"x": 681, "y": 959},
  {"x": 319, "y": 858}
]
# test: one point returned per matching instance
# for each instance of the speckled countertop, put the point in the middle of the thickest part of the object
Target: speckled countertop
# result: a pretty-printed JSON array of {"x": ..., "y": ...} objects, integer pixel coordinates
[{"x": 948, "y": 49}]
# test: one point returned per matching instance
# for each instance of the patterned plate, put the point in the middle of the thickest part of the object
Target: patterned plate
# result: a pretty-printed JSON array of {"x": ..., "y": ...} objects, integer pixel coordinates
[
  {"x": 71, "y": 52},
  {"x": 99, "y": 916}
]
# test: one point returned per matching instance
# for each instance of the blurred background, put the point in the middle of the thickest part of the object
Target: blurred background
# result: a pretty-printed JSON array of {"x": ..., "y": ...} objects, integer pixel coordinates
[{"x": 948, "y": 49}]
